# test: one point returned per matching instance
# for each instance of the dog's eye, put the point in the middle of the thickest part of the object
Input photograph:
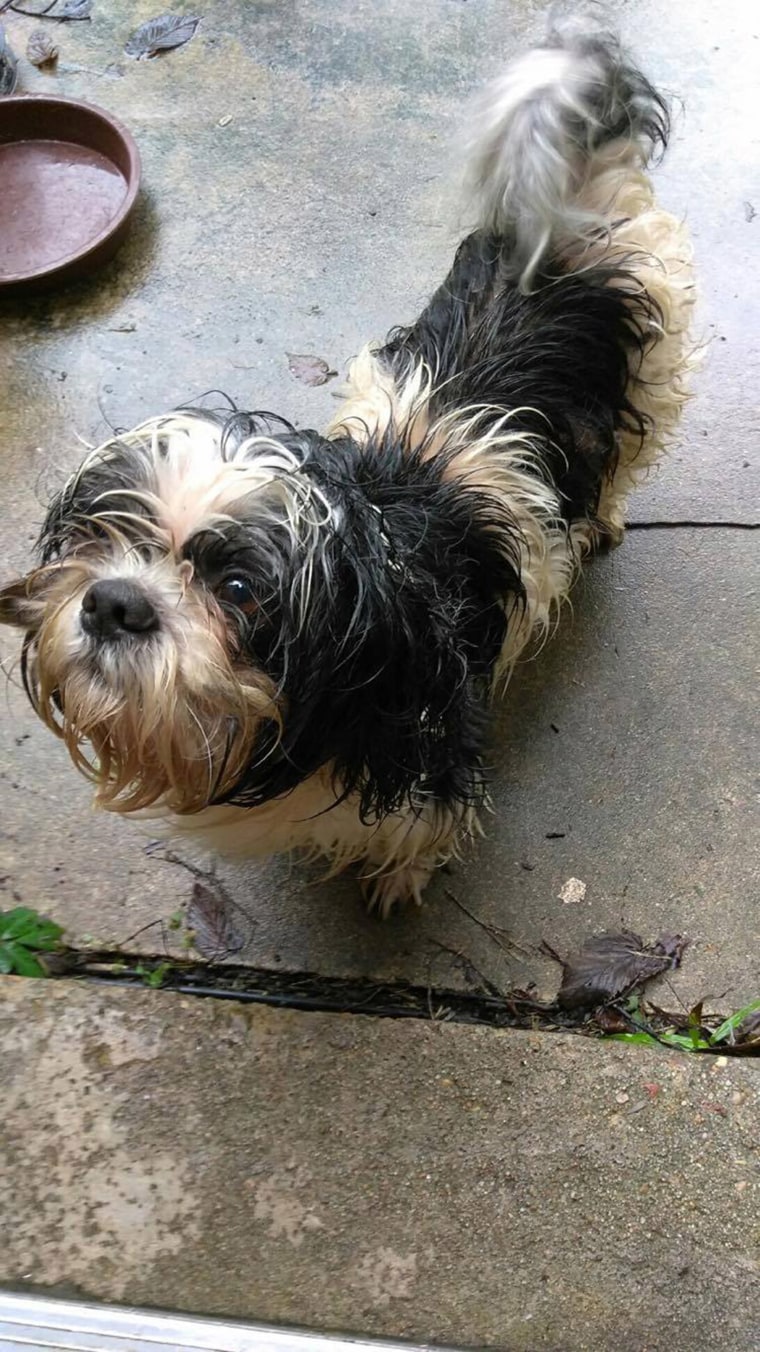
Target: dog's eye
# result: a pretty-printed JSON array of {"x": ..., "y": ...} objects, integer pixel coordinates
[{"x": 237, "y": 592}]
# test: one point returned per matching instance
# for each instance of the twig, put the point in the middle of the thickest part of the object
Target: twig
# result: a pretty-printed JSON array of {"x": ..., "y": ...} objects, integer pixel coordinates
[
  {"x": 488, "y": 985},
  {"x": 46, "y": 13},
  {"x": 143, "y": 930},
  {"x": 495, "y": 933}
]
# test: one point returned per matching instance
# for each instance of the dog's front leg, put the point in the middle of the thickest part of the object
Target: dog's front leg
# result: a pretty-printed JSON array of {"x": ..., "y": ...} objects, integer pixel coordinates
[{"x": 405, "y": 850}]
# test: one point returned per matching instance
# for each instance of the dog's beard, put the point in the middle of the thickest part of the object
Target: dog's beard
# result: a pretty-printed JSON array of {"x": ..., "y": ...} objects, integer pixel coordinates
[{"x": 166, "y": 723}]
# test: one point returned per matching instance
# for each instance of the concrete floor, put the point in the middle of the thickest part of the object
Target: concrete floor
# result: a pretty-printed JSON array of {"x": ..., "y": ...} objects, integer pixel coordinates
[
  {"x": 316, "y": 217},
  {"x": 319, "y": 215},
  {"x": 302, "y": 1182}
]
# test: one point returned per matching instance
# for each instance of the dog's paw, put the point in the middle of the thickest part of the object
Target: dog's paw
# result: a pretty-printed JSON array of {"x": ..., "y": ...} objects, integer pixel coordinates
[
  {"x": 399, "y": 887},
  {"x": 607, "y": 537}
]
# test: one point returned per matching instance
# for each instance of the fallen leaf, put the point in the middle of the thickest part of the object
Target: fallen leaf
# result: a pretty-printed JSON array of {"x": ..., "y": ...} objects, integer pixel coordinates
[
  {"x": 573, "y": 891},
  {"x": 611, "y": 1020},
  {"x": 309, "y": 370},
  {"x": 209, "y": 917},
  {"x": 40, "y": 49},
  {"x": 71, "y": 9},
  {"x": 161, "y": 34},
  {"x": 8, "y": 65},
  {"x": 672, "y": 947},
  {"x": 612, "y": 964}
]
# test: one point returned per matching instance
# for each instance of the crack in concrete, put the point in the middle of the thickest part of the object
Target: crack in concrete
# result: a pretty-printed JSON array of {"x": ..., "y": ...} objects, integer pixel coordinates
[
  {"x": 693, "y": 525},
  {"x": 313, "y": 992},
  {"x": 307, "y": 990}
]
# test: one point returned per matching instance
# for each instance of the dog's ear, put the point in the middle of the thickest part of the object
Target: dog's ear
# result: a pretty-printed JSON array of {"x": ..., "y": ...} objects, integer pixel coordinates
[{"x": 21, "y": 603}]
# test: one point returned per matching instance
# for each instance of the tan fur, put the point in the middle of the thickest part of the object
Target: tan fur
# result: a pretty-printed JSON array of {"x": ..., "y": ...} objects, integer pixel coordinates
[
  {"x": 395, "y": 856},
  {"x": 656, "y": 246},
  {"x": 145, "y": 728}
]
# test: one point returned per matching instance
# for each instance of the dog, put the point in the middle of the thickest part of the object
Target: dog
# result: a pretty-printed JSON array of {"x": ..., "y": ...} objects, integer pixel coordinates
[{"x": 277, "y": 639}]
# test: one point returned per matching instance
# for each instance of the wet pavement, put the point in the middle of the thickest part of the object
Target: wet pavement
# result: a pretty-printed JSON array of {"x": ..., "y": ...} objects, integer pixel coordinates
[{"x": 298, "y": 197}]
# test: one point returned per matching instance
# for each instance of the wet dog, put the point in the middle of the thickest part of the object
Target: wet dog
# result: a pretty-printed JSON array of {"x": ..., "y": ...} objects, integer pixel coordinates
[{"x": 283, "y": 639}]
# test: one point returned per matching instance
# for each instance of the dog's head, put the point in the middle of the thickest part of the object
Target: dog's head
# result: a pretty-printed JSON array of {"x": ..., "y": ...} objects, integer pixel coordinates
[
  {"x": 222, "y": 608},
  {"x": 154, "y": 620}
]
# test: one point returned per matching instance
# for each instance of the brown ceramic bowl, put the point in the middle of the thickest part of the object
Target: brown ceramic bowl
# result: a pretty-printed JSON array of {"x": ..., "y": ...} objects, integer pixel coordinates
[{"x": 69, "y": 176}]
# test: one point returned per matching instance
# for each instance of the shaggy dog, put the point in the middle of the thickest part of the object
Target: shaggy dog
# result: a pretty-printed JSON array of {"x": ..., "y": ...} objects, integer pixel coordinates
[{"x": 286, "y": 639}]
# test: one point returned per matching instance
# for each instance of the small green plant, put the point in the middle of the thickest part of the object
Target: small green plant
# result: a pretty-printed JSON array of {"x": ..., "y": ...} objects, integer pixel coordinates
[
  {"x": 24, "y": 934},
  {"x": 738, "y": 1030},
  {"x": 153, "y": 976}
]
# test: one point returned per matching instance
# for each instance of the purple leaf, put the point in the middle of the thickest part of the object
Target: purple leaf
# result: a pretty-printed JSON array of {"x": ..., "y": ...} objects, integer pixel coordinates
[
  {"x": 161, "y": 34},
  {"x": 209, "y": 917},
  {"x": 612, "y": 964}
]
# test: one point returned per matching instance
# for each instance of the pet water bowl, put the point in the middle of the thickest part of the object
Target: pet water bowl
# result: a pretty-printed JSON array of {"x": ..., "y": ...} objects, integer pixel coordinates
[{"x": 69, "y": 175}]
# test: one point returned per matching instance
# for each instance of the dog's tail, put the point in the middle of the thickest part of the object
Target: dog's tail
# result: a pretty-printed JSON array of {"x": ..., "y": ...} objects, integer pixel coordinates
[{"x": 557, "y": 119}]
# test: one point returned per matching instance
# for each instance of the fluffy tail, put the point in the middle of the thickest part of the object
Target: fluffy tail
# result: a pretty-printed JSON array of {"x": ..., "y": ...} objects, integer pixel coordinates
[{"x": 557, "y": 118}]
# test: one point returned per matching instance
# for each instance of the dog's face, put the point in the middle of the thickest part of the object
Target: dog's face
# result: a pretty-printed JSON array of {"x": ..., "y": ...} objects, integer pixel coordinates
[
  {"x": 223, "y": 609},
  {"x": 154, "y": 625}
]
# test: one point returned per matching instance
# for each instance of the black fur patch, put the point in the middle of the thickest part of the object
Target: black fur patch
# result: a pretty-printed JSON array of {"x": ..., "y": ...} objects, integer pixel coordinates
[
  {"x": 623, "y": 104},
  {"x": 558, "y": 359},
  {"x": 103, "y": 492},
  {"x": 388, "y": 674}
]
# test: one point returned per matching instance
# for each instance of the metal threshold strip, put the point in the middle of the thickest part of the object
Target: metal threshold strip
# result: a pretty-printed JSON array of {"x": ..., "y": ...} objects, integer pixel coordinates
[{"x": 34, "y": 1324}]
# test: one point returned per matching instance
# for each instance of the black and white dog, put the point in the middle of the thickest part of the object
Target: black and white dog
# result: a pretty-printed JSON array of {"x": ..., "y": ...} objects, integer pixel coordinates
[{"x": 280, "y": 639}]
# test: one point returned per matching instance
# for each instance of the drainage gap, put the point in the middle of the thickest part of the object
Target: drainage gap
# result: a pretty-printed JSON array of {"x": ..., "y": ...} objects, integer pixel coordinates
[{"x": 312, "y": 991}]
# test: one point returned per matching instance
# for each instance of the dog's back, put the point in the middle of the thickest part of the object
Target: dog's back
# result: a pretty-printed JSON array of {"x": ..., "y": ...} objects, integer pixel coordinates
[{"x": 568, "y": 306}]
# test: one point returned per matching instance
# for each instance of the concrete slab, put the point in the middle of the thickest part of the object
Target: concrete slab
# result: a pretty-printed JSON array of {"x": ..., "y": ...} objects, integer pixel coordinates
[
  {"x": 321, "y": 213},
  {"x": 438, "y": 1182},
  {"x": 706, "y": 59}
]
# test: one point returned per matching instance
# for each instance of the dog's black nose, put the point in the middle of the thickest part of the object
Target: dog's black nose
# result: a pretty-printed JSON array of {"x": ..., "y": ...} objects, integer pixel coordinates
[{"x": 115, "y": 607}]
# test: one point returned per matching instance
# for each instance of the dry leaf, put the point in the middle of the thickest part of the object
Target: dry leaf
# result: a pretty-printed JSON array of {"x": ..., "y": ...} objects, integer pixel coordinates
[
  {"x": 161, "y": 34},
  {"x": 611, "y": 1021},
  {"x": 748, "y": 1031},
  {"x": 40, "y": 49},
  {"x": 573, "y": 891},
  {"x": 309, "y": 370},
  {"x": 72, "y": 9},
  {"x": 8, "y": 65},
  {"x": 209, "y": 917},
  {"x": 612, "y": 964}
]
